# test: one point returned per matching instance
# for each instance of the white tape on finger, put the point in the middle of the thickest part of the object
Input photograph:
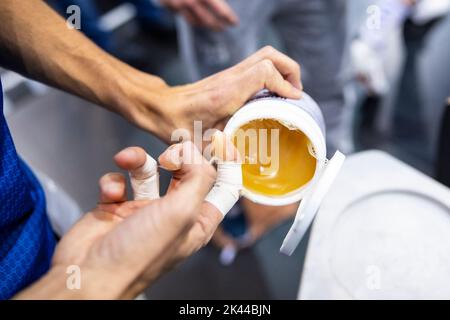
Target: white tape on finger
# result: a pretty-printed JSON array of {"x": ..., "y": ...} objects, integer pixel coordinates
[
  {"x": 145, "y": 180},
  {"x": 226, "y": 190}
]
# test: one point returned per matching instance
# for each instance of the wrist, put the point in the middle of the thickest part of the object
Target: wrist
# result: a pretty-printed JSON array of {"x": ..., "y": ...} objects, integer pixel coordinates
[{"x": 144, "y": 100}]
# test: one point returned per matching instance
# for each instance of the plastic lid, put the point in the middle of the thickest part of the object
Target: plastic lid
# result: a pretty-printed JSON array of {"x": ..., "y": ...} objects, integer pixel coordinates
[{"x": 311, "y": 203}]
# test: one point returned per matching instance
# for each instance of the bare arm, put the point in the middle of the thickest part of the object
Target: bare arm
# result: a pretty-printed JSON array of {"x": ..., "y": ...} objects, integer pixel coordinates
[{"x": 36, "y": 42}]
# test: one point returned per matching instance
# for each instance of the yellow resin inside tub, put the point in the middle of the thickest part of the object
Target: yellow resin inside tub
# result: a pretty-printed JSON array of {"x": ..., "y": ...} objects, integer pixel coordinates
[{"x": 276, "y": 158}]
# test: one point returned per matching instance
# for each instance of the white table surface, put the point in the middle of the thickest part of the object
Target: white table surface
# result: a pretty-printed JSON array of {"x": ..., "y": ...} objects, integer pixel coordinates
[{"x": 383, "y": 232}]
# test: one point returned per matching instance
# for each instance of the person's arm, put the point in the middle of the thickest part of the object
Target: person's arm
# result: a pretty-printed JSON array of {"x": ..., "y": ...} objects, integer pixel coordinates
[{"x": 36, "y": 42}]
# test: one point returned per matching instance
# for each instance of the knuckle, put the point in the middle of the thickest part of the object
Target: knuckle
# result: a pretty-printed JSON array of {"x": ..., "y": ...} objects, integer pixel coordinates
[
  {"x": 111, "y": 176},
  {"x": 268, "y": 50},
  {"x": 215, "y": 97},
  {"x": 267, "y": 67},
  {"x": 204, "y": 173},
  {"x": 189, "y": 145}
]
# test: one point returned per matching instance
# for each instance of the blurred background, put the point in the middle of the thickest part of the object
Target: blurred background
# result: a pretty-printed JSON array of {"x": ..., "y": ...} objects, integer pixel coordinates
[{"x": 404, "y": 111}]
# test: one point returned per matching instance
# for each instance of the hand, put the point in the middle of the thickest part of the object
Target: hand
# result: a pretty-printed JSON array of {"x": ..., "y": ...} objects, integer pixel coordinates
[
  {"x": 123, "y": 246},
  {"x": 213, "y": 14},
  {"x": 261, "y": 219},
  {"x": 214, "y": 99}
]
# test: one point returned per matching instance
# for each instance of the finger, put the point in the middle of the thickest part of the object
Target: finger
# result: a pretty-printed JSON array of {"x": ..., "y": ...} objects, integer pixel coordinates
[
  {"x": 209, "y": 216},
  {"x": 143, "y": 172},
  {"x": 168, "y": 219},
  {"x": 223, "y": 10},
  {"x": 223, "y": 148},
  {"x": 194, "y": 177},
  {"x": 112, "y": 188},
  {"x": 171, "y": 158},
  {"x": 226, "y": 190},
  {"x": 185, "y": 162},
  {"x": 130, "y": 158},
  {"x": 265, "y": 75},
  {"x": 274, "y": 80},
  {"x": 205, "y": 16},
  {"x": 182, "y": 158},
  {"x": 287, "y": 67},
  {"x": 191, "y": 18}
]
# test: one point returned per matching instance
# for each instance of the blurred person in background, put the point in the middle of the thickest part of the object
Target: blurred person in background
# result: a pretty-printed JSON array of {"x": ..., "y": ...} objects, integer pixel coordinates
[
  {"x": 443, "y": 157},
  {"x": 215, "y": 34},
  {"x": 151, "y": 18},
  {"x": 90, "y": 21},
  {"x": 37, "y": 43},
  {"x": 370, "y": 57}
]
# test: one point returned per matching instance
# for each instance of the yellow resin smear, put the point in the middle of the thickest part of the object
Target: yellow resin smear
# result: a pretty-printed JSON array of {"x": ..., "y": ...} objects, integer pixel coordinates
[{"x": 295, "y": 167}]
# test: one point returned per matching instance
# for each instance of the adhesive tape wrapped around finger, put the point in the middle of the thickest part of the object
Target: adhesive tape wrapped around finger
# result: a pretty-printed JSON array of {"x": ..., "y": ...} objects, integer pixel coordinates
[
  {"x": 145, "y": 180},
  {"x": 226, "y": 190}
]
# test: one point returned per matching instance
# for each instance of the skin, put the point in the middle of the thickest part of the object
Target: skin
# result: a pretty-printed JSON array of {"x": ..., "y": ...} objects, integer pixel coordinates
[
  {"x": 36, "y": 42},
  {"x": 217, "y": 15},
  {"x": 213, "y": 14},
  {"x": 122, "y": 246},
  {"x": 112, "y": 243}
]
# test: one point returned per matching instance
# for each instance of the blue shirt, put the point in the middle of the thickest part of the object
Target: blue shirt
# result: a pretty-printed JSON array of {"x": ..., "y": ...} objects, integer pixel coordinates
[{"x": 26, "y": 238}]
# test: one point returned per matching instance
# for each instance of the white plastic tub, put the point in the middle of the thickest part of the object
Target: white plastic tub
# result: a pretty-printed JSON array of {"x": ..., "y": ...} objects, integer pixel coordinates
[{"x": 304, "y": 115}]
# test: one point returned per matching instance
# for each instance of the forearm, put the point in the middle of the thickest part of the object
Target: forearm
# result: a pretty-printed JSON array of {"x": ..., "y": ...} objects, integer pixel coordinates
[{"x": 37, "y": 43}]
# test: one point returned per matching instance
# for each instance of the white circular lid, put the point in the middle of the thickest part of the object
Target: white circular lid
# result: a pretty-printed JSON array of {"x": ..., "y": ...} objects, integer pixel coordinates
[{"x": 311, "y": 203}]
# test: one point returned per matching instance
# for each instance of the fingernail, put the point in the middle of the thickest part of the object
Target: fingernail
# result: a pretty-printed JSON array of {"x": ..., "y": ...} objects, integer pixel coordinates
[
  {"x": 121, "y": 153},
  {"x": 112, "y": 188}
]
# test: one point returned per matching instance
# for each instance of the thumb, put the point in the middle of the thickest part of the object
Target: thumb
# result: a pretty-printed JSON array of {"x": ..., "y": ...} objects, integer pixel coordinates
[
  {"x": 226, "y": 190},
  {"x": 191, "y": 172}
]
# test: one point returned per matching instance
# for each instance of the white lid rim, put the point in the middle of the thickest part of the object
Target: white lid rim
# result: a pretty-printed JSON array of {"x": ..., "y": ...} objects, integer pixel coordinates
[
  {"x": 289, "y": 113},
  {"x": 311, "y": 204}
]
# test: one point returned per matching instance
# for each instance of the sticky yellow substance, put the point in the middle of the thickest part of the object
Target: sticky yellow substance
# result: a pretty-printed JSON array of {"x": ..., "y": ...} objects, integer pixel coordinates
[{"x": 262, "y": 172}]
